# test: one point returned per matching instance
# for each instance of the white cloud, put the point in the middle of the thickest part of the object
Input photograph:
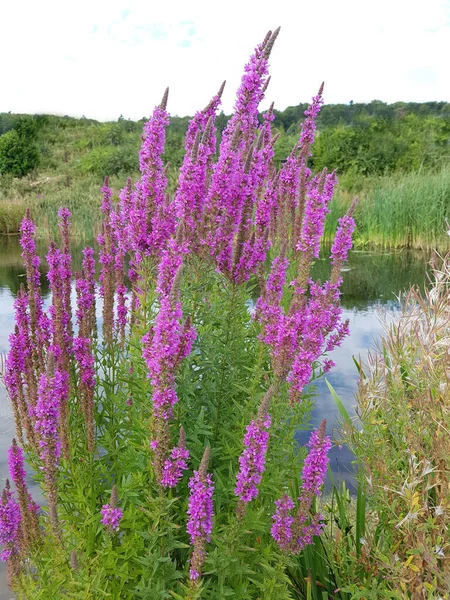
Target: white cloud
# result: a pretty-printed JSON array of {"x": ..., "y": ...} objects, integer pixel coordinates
[{"x": 102, "y": 59}]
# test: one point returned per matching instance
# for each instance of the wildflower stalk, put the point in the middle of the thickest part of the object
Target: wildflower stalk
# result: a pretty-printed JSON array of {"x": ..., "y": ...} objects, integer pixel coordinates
[
  {"x": 28, "y": 508},
  {"x": 10, "y": 521},
  {"x": 200, "y": 511},
  {"x": 252, "y": 460}
]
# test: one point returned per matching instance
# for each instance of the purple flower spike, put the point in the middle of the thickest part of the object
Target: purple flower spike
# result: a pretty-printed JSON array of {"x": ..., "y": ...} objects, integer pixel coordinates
[
  {"x": 293, "y": 533},
  {"x": 174, "y": 467},
  {"x": 200, "y": 509},
  {"x": 283, "y": 520},
  {"x": 111, "y": 514},
  {"x": 252, "y": 461},
  {"x": 200, "y": 512},
  {"x": 316, "y": 463},
  {"x": 9, "y": 525}
]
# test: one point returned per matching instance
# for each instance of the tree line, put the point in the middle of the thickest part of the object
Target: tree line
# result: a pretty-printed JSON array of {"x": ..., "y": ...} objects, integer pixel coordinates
[{"x": 357, "y": 139}]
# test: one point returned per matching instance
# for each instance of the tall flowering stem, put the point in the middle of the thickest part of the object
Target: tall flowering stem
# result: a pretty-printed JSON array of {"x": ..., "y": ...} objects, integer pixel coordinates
[
  {"x": 252, "y": 460},
  {"x": 28, "y": 508},
  {"x": 201, "y": 512},
  {"x": 52, "y": 388},
  {"x": 10, "y": 522},
  {"x": 164, "y": 347},
  {"x": 107, "y": 277},
  {"x": 83, "y": 344},
  {"x": 66, "y": 266},
  {"x": 293, "y": 532},
  {"x": 200, "y": 147},
  {"x": 233, "y": 182},
  {"x": 176, "y": 464},
  {"x": 15, "y": 368},
  {"x": 83, "y": 353},
  {"x": 59, "y": 277},
  {"x": 38, "y": 321},
  {"x": 85, "y": 287},
  {"x": 145, "y": 213}
]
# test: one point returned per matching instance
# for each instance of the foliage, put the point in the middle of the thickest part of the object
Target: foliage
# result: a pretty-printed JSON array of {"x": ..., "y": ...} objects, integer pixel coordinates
[
  {"x": 110, "y": 160},
  {"x": 19, "y": 152}
]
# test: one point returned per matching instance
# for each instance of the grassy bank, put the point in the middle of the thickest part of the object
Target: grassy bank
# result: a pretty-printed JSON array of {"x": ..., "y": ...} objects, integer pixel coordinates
[
  {"x": 394, "y": 156},
  {"x": 45, "y": 195},
  {"x": 399, "y": 211}
]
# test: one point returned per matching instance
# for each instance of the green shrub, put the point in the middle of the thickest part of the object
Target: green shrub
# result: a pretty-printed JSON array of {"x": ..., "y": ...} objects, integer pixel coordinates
[
  {"x": 110, "y": 160},
  {"x": 19, "y": 154}
]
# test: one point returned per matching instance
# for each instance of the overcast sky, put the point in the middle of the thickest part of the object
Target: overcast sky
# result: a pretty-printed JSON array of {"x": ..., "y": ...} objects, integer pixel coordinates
[{"x": 102, "y": 59}]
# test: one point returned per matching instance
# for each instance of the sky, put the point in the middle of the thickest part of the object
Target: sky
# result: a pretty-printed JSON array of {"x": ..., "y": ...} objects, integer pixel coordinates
[{"x": 102, "y": 58}]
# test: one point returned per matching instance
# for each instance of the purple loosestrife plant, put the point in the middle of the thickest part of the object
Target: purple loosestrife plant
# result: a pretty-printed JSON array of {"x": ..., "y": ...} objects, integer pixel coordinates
[
  {"x": 252, "y": 222},
  {"x": 10, "y": 520},
  {"x": 151, "y": 219},
  {"x": 252, "y": 460},
  {"x": 164, "y": 347},
  {"x": 200, "y": 512},
  {"x": 61, "y": 342},
  {"x": 111, "y": 517},
  {"x": 85, "y": 287},
  {"x": 283, "y": 520},
  {"x": 66, "y": 270},
  {"x": 106, "y": 259},
  {"x": 200, "y": 146},
  {"x": 82, "y": 348},
  {"x": 46, "y": 413},
  {"x": 28, "y": 508},
  {"x": 38, "y": 321},
  {"x": 229, "y": 185}
]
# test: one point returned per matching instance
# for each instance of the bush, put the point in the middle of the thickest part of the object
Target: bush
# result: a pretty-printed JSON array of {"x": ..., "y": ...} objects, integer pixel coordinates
[
  {"x": 106, "y": 161},
  {"x": 19, "y": 153}
]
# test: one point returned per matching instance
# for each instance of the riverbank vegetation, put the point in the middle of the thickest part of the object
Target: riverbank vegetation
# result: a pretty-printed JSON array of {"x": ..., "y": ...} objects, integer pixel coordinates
[
  {"x": 163, "y": 434},
  {"x": 395, "y": 157},
  {"x": 397, "y": 542}
]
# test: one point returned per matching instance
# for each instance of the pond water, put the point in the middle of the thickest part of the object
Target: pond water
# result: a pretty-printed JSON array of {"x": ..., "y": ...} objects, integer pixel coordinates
[{"x": 372, "y": 283}]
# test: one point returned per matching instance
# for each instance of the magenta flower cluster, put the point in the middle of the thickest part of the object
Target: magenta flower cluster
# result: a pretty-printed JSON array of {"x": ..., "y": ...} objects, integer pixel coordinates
[
  {"x": 52, "y": 391},
  {"x": 293, "y": 532},
  {"x": 200, "y": 509},
  {"x": 111, "y": 517},
  {"x": 174, "y": 467},
  {"x": 10, "y": 520},
  {"x": 200, "y": 522},
  {"x": 253, "y": 459}
]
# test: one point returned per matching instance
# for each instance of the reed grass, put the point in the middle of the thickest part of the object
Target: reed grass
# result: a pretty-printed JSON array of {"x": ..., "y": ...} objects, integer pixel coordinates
[
  {"x": 45, "y": 195},
  {"x": 399, "y": 211}
]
